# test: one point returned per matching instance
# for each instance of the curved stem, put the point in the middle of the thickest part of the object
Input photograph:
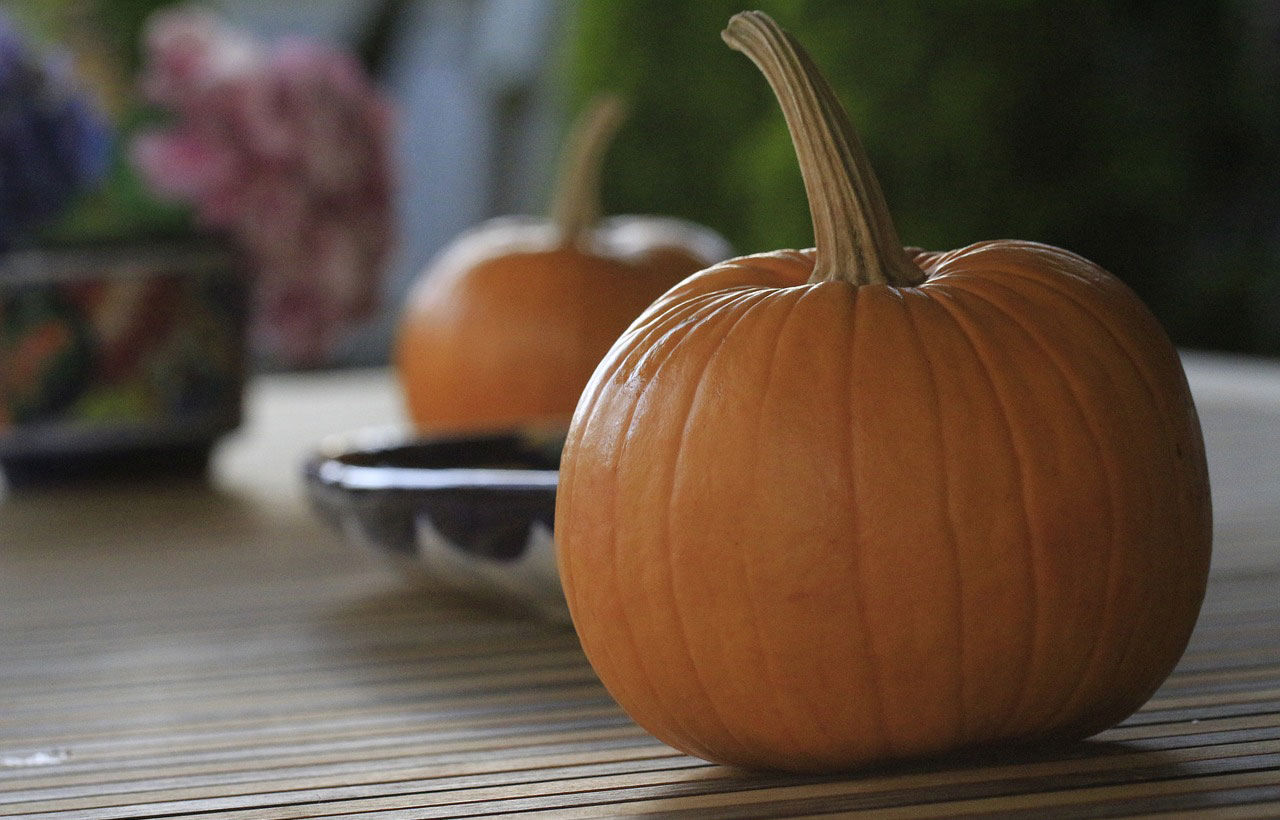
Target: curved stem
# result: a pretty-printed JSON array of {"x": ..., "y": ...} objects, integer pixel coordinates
[
  {"x": 576, "y": 206},
  {"x": 853, "y": 233}
]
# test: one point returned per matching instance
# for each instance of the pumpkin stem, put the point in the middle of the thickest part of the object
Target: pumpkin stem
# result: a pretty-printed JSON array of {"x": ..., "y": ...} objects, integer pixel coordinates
[
  {"x": 576, "y": 206},
  {"x": 853, "y": 233}
]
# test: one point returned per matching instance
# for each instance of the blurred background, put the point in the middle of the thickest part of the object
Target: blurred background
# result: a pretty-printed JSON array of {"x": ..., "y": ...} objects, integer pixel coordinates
[{"x": 1143, "y": 136}]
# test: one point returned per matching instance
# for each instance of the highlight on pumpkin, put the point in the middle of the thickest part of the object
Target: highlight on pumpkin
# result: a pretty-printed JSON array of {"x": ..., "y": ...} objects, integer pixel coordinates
[
  {"x": 822, "y": 509},
  {"x": 505, "y": 326}
]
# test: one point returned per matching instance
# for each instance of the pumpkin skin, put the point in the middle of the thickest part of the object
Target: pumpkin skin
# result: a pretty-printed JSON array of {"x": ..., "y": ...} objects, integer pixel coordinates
[
  {"x": 506, "y": 327},
  {"x": 811, "y": 526},
  {"x": 829, "y": 508}
]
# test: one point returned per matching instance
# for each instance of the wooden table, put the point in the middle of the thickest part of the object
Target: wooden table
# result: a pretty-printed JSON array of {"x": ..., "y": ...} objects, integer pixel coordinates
[{"x": 185, "y": 650}]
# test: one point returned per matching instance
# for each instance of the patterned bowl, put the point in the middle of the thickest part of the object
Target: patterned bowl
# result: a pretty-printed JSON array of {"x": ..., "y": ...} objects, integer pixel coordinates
[
  {"x": 118, "y": 359},
  {"x": 470, "y": 514}
]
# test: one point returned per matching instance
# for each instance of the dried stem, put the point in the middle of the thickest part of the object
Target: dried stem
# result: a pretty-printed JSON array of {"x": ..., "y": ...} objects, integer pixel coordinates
[
  {"x": 577, "y": 199},
  {"x": 854, "y": 235}
]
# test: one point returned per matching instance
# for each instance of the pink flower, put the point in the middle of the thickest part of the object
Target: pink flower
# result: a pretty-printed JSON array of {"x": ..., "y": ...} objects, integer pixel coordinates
[{"x": 288, "y": 150}]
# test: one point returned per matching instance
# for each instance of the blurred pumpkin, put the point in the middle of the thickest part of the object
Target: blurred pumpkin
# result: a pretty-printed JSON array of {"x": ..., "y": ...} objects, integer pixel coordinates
[
  {"x": 506, "y": 325},
  {"x": 824, "y": 508}
]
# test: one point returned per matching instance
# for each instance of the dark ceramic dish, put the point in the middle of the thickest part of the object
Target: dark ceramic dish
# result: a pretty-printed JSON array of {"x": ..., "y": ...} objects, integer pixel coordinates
[{"x": 473, "y": 514}]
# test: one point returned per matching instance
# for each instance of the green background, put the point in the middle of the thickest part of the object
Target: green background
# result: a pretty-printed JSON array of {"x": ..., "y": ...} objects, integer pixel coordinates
[{"x": 1143, "y": 136}]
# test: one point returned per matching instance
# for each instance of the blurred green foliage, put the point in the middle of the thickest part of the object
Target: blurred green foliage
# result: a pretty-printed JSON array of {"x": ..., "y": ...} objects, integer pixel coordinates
[
  {"x": 104, "y": 37},
  {"x": 121, "y": 208},
  {"x": 1143, "y": 136},
  {"x": 111, "y": 26}
]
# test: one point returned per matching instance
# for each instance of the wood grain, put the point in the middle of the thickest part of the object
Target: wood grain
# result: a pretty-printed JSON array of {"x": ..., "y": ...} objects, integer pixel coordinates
[{"x": 201, "y": 650}]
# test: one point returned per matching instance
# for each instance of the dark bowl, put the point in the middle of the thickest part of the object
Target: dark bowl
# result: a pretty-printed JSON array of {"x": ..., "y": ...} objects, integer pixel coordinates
[{"x": 472, "y": 513}]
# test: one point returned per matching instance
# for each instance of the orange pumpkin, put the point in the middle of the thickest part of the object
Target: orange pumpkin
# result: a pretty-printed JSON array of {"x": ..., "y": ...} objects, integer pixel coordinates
[
  {"x": 506, "y": 325},
  {"x": 825, "y": 508}
]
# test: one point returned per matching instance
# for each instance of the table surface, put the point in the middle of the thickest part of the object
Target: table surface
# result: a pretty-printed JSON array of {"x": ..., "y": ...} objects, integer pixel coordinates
[{"x": 188, "y": 649}]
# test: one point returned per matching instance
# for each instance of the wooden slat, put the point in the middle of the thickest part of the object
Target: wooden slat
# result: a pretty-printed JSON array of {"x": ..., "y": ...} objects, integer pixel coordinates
[{"x": 188, "y": 652}]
